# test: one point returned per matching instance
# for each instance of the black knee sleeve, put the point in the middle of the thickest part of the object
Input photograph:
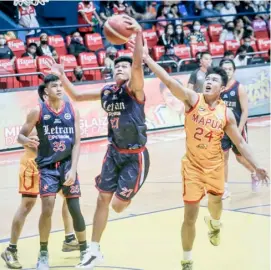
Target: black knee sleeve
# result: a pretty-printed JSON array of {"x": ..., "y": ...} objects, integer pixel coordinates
[{"x": 75, "y": 211}]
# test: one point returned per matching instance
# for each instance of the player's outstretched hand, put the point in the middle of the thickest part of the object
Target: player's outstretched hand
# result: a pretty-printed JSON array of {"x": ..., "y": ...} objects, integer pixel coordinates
[
  {"x": 262, "y": 175},
  {"x": 69, "y": 178},
  {"x": 33, "y": 142},
  {"x": 131, "y": 45},
  {"x": 134, "y": 25},
  {"x": 54, "y": 68}
]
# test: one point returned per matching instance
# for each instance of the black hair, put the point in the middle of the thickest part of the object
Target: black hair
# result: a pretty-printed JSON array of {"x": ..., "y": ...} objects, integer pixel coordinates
[
  {"x": 49, "y": 78},
  {"x": 124, "y": 58},
  {"x": 227, "y": 61},
  {"x": 204, "y": 53},
  {"x": 241, "y": 49},
  {"x": 228, "y": 53},
  {"x": 32, "y": 44},
  {"x": 221, "y": 72}
]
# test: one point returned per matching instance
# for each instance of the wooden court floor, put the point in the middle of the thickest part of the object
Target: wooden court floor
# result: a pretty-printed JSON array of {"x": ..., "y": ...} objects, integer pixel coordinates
[{"x": 147, "y": 235}]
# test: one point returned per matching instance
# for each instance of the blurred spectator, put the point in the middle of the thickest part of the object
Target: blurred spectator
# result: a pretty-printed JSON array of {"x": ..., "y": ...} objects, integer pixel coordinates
[
  {"x": 228, "y": 9},
  {"x": 78, "y": 74},
  {"x": 167, "y": 39},
  {"x": 208, "y": 11},
  {"x": 31, "y": 50},
  {"x": 247, "y": 43},
  {"x": 228, "y": 55},
  {"x": 27, "y": 18},
  {"x": 77, "y": 46},
  {"x": 162, "y": 13},
  {"x": 106, "y": 10},
  {"x": 239, "y": 28},
  {"x": 120, "y": 7},
  {"x": 196, "y": 36},
  {"x": 175, "y": 14},
  {"x": 245, "y": 6},
  {"x": 5, "y": 51},
  {"x": 197, "y": 77},
  {"x": 45, "y": 49},
  {"x": 261, "y": 6},
  {"x": 179, "y": 35},
  {"x": 111, "y": 54},
  {"x": 241, "y": 57},
  {"x": 228, "y": 33},
  {"x": 86, "y": 11},
  {"x": 10, "y": 35},
  {"x": 199, "y": 6}
]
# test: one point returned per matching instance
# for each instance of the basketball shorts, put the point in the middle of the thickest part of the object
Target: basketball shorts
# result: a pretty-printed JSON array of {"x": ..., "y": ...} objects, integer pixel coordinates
[
  {"x": 197, "y": 182},
  {"x": 123, "y": 172},
  {"x": 227, "y": 143},
  {"x": 52, "y": 178},
  {"x": 28, "y": 177}
]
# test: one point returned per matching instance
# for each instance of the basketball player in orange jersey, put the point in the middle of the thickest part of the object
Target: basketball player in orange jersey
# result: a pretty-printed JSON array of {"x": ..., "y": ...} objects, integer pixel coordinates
[
  {"x": 206, "y": 119},
  {"x": 29, "y": 188},
  {"x": 235, "y": 97}
]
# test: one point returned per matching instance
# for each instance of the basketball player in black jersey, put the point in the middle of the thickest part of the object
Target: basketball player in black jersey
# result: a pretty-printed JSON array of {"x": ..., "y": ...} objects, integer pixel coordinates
[
  {"x": 236, "y": 99},
  {"x": 58, "y": 131},
  {"x": 126, "y": 162}
]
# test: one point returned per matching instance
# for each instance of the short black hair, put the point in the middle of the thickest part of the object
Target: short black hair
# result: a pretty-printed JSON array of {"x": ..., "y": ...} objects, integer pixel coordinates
[
  {"x": 204, "y": 53},
  {"x": 228, "y": 53},
  {"x": 49, "y": 78},
  {"x": 124, "y": 58},
  {"x": 221, "y": 72},
  {"x": 227, "y": 61},
  {"x": 32, "y": 44}
]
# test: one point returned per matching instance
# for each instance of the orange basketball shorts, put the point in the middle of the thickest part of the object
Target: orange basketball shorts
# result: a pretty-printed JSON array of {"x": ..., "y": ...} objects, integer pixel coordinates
[
  {"x": 29, "y": 176},
  {"x": 197, "y": 181}
]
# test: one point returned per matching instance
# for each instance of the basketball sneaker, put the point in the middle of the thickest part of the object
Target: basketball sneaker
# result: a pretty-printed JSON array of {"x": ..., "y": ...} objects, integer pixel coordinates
[
  {"x": 187, "y": 265},
  {"x": 214, "y": 231},
  {"x": 43, "y": 261},
  {"x": 255, "y": 183},
  {"x": 89, "y": 260},
  {"x": 11, "y": 259},
  {"x": 226, "y": 194},
  {"x": 71, "y": 246}
]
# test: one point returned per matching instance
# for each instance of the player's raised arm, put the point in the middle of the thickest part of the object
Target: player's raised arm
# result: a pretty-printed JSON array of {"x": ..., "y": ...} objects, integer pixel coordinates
[
  {"x": 31, "y": 121},
  {"x": 232, "y": 131},
  {"x": 188, "y": 96},
  {"x": 136, "y": 83},
  {"x": 244, "y": 106},
  {"x": 58, "y": 70}
]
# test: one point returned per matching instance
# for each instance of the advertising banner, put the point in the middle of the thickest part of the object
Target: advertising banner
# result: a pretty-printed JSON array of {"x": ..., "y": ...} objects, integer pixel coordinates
[{"x": 162, "y": 109}]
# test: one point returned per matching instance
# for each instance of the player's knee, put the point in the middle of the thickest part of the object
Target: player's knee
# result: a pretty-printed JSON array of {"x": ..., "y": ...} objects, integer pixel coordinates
[
  {"x": 77, "y": 217},
  {"x": 118, "y": 207},
  {"x": 239, "y": 158},
  {"x": 104, "y": 200},
  {"x": 48, "y": 206},
  {"x": 191, "y": 214},
  {"x": 27, "y": 206},
  {"x": 215, "y": 199}
]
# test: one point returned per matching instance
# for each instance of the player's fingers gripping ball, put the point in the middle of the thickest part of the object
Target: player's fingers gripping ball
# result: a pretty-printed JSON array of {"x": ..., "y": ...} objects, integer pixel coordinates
[{"x": 118, "y": 30}]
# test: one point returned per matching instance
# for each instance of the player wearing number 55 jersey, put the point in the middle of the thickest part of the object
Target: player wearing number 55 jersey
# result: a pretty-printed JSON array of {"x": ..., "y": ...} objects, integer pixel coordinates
[
  {"x": 207, "y": 117},
  {"x": 126, "y": 163},
  {"x": 58, "y": 148}
]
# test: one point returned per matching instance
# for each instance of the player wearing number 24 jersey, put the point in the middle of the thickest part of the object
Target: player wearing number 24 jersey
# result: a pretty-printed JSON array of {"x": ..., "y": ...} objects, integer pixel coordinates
[{"x": 206, "y": 120}]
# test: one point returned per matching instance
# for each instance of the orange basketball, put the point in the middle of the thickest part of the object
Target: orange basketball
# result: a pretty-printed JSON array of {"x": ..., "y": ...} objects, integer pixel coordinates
[{"x": 115, "y": 30}]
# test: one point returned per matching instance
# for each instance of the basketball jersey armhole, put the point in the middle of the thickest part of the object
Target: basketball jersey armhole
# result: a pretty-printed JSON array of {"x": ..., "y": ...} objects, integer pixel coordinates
[
  {"x": 40, "y": 105},
  {"x": 130, "y": 93},
  {"x": 226, "y": 115},
  {"x": 195, "y": 106}
]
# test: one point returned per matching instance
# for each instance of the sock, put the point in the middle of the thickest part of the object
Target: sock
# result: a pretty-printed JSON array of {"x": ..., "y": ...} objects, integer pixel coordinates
[
  {"x": 12, "y": 248},
  {"x": 43, "y": 246},
  {"x": 215, "y": 223},
  {"x": 226, "y": 185},
  {"x": 69, "y": 237},
  {"x": 83, "y": 245},
  {"x": 253, "y": 173},
  {"x": 187, "y": 255},
  {"x": 95, "y": 247}
]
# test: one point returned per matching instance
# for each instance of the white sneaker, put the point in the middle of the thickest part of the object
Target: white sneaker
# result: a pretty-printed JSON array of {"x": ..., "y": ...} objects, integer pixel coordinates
[
  {"x": 88, "y": 260},
  {"x": 226, "y": 194}
]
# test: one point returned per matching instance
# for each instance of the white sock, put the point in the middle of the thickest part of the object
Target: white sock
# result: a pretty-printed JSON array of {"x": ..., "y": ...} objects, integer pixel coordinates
[
  {"x": 215, "y": 223},
  {"x": 226, "y": 185},
  {"x": 95, "y": 247},
  {"x": 187, "y": 255}
]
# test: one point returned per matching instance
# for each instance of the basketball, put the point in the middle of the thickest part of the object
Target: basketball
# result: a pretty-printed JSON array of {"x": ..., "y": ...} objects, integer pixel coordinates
[{"x": 115, "y": 30}]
